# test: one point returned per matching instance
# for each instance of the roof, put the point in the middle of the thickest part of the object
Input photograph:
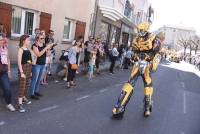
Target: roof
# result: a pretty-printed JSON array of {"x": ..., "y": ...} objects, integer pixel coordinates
[{"x": 180, "y": 27}]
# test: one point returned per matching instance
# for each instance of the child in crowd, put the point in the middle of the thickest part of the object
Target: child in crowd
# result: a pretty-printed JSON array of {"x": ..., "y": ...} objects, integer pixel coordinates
[
  {"x": 47, "y": 67},
  {"x": 92, "y": 63}
]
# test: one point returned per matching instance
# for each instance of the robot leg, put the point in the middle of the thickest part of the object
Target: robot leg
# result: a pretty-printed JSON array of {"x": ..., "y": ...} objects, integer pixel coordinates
[
  {"x": 126, "y": 93},
  {"x": 148, "y": 103},
  {"x": 119, "y": 108},
  {"x": 156, "y": 62},
  {"x": 148, "y": 92}
]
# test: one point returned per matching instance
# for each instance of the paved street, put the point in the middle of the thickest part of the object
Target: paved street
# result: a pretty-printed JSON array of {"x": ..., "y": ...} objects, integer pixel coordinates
[{"x": 86, "y": 109}]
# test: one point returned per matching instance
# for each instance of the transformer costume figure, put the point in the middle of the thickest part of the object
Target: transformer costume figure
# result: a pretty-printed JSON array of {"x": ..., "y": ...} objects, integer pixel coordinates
[{"x": 146, "y": 47}]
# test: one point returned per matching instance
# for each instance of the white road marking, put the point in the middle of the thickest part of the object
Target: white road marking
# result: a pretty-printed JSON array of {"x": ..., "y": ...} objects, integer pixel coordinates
[
  {"x": 183, "y": 85},
  {"x": 182, "y": 132},
  {"x": 116, "y": 85},
  {"x": 81, "y": 98},
  {"x": 103, "y": 90},
  {"x": 184, "y": 103},
  {"x": 125, "y": 81},
  {"x": 48, "y": 108},
  {"x": 2, "y": 123}
]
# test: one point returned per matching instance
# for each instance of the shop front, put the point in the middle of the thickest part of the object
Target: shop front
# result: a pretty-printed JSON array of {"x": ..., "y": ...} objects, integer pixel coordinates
[
  {"x": 107, "y": 28},
  {"x": 127, "y": 35}
]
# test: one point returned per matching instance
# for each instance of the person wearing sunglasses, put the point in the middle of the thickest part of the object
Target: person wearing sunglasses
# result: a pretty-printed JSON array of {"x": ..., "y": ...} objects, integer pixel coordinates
[{"x": 39, "y": 50}]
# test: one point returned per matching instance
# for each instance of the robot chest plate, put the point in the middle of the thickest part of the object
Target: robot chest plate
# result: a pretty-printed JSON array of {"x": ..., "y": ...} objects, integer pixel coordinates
[{"x": 144, "y": 46}]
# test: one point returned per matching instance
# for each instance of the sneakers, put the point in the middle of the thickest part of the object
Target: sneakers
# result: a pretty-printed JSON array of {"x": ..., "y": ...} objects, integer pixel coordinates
[
  {"x": 27, "y": 101},
  {"x": 56, "y": 81},
  {"x": 34, "y": 97},
  {"x": 65, "y": 79},
  {"x": 68, "y": 85},
  {"x": 11, "y": 108},
  {"x": 38, "y": 94},
  {"x": 21, "y": 109}
]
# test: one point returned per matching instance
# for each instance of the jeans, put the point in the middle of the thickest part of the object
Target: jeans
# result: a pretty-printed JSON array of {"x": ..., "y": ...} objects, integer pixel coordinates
[
  {"x": 37, "y": 72},
  {"x": 112, "y": 65},
  {"x": 5, "y": 85},
  {"x": 126, "y": 63}
]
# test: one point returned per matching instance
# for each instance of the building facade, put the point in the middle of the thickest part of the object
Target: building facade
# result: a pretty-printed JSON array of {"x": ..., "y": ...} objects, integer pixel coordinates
[
  {"x": 68, "y": 18},
  {"x": 116, "y": 20},
  {"x": 111, "y": 20},
  {"x": 173, "y": 34},
  {"x": 143, "y": 11}
]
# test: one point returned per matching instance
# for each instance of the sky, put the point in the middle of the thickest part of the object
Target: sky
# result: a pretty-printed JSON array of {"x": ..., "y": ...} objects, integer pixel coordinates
[{"x": 176, "y": 12}]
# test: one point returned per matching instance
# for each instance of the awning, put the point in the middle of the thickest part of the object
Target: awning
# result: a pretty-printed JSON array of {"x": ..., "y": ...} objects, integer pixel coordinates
[{"x": 111, "y": 13}]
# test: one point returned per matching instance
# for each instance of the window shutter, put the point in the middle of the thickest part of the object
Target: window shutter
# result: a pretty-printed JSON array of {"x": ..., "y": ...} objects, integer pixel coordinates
[
  {"x": 45, "y": 21},
  {"x": 80, "y": 29},
  {"x": 6, "y": 17}
]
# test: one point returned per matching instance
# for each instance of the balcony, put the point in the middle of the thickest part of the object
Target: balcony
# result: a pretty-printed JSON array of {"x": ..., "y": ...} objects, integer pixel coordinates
[{"x": 112, "y": 9}]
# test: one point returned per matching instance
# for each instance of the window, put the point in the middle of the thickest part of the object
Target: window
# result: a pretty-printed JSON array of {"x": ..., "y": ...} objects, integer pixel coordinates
[
  {"x": 103, "y": 31},
  {"x": 23, "y": 22},
  {"x": 113, "y": 34},
  {"x": 128, "y": 9},
  {"x": 67, "y": 30},
  {"x": 29, "y": 18},
  {"x": 16, "y": 20}
]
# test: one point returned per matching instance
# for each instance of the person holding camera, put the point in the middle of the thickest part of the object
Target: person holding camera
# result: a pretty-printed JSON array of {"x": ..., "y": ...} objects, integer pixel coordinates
[{"x": 39, "y": 50}]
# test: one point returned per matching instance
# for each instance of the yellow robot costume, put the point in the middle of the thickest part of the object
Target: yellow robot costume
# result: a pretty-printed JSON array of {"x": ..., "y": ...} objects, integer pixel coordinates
[{"x": 146, "y": 48}]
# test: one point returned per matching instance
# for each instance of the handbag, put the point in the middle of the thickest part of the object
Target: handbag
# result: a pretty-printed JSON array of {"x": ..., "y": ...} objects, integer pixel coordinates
[{"x": 74, "y": 66}]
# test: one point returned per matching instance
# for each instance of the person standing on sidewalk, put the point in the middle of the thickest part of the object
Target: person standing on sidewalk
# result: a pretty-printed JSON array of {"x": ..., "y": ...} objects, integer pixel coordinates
[
  {"x": 49, "y": 40},
  {"x": 80, "y": 48},
  {"x": 36, "y": 33},
  {"x": 122, "y": 54},
  {"x": 128, "y": 57},
  {"x": 87, "y": 49},
  {"x": 72, "y": 66},
  {"x": 5, "y": 73},
  {"x": 39, "y": 50},
  {"x": 24, "y": 68},
  {"x": 92, "y": 63},
  {"x": 99, "y": 53},
  {"x": 114, "y": 56},
  {"x": 46, "y": 70}
]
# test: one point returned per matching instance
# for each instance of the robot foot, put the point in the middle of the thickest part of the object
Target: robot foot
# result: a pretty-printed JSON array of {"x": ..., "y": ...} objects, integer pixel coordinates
[
  {"x": 147, "y": 113},
  {"x": 118, "y": 116},
  {"x": 148, "y": 106},
  {"x": 118, "y": 113}
]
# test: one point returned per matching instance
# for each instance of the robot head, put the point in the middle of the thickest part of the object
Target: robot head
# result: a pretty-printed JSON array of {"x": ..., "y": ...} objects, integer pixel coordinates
[{"x": 143, "y": 29}]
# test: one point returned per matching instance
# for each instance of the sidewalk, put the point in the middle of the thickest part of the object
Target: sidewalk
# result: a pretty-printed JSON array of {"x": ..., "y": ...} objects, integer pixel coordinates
[
  {"x": 183, "y": 66},
  {"x": 14, "y": 69}
]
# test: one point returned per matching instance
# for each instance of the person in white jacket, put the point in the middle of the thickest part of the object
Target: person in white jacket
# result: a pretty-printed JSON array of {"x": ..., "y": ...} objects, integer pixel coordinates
[{"x": 114, "y": 56}]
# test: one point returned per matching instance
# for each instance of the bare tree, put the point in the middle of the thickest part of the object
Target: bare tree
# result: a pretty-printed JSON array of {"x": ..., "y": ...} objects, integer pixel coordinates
[
  {"x": 195, "y": 43},
  {"x": 184, "y": 42}
]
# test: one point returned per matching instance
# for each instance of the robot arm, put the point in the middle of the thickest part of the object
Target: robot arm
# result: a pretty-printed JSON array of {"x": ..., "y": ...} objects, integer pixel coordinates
[
  {"x": 158, "y": 42},
  {"x": 157, "y": 45}
]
